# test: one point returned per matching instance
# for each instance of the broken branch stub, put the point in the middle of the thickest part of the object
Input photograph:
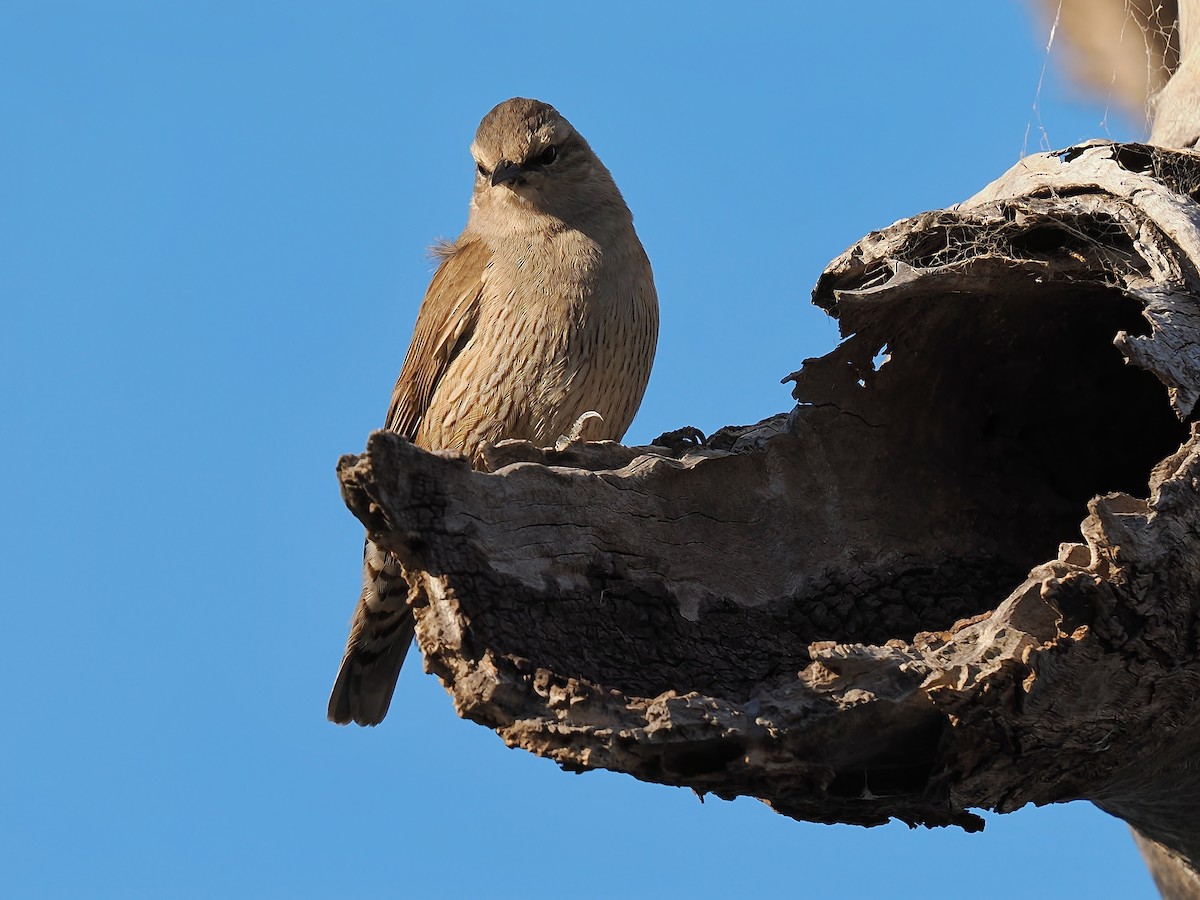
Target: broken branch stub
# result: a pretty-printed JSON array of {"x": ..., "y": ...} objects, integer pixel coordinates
[{"x": 881, "y": 604}]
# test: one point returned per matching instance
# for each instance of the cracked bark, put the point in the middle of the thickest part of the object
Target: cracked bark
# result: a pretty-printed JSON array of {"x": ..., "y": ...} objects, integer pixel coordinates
[{"x": 881, "y": 603}]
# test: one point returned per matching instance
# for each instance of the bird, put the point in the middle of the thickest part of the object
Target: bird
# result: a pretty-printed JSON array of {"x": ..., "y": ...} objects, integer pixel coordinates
[{"x": 540, "y": 320}]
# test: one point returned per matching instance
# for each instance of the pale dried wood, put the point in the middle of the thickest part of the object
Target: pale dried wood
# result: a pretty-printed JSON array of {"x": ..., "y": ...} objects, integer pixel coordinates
[
  {"x": 1173, "y": 877},
  {"x": 1175, "y": 107}
]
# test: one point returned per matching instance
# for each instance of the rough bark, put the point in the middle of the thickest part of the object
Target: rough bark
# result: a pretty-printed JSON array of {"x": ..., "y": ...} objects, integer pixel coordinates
[
  {"x": 1143, "y": 55},
  {"x": 882, "y": 603}
]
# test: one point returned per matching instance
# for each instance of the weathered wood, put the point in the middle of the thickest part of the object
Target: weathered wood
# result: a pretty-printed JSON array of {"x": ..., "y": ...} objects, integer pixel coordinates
[
  {"x": 880, "y": 604},
  {"x": 1174, "y": 879},
  {"x": 1176, "y": 116}
]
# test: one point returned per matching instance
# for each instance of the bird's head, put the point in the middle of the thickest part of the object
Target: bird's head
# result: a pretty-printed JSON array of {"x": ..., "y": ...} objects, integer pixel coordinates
[{"x": 527, "y": 154}]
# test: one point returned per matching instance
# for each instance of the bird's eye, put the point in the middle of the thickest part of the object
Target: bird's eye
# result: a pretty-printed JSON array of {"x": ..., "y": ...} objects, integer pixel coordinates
[
  {"x": 547, "y": 156},
  {"x": 479, "y": 167}
]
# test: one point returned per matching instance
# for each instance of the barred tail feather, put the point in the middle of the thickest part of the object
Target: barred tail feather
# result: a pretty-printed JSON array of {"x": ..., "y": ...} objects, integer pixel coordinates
[
  {"x": 380, "y": 634},
  {"x": 363, "y": 690}
]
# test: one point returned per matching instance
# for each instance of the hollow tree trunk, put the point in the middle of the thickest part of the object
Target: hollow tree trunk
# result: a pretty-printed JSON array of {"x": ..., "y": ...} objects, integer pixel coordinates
[
  {"x": 881, "y": 604},
  {"x": 847, "y": 610}
]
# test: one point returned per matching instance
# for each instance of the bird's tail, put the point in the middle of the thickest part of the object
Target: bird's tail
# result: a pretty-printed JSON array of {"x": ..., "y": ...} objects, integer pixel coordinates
[{"x": 380, "y": 632}]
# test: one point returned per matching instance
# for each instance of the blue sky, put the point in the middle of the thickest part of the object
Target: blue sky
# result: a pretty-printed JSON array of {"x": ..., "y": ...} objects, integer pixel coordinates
[{"x": 213, "y": 220}]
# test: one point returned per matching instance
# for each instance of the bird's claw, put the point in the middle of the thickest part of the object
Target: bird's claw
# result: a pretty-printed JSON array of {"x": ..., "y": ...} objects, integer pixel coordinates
[{"x": 576, "y": 433}]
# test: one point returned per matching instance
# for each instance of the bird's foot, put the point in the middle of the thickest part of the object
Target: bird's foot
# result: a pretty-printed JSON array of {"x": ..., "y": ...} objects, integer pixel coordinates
[{"x": 576, "y": 433}]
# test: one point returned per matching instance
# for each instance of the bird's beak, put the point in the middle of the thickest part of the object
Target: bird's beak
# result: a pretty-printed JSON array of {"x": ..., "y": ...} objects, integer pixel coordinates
[{"x": 505, "y": 172}]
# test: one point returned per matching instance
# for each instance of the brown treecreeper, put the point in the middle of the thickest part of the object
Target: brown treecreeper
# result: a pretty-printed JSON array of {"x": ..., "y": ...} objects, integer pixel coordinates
[{"x": 541, "y": 315}]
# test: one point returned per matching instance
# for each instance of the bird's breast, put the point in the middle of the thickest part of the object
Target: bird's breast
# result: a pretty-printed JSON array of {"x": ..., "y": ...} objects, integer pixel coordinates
[{"x": 586, "y": 318}]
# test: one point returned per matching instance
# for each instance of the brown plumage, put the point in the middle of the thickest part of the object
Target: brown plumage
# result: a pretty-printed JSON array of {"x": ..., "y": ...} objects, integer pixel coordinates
[{"x": 543, "y": 310}]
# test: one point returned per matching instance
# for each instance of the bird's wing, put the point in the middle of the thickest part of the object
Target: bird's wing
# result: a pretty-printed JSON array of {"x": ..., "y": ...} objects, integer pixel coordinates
[
  {"x": 445, "y": 323},
  {"x": 382, "y": 627}
]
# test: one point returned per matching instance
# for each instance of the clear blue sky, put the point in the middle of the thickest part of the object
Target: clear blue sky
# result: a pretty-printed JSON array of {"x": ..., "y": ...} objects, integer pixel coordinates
[{"x": 213, "y": 220}]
